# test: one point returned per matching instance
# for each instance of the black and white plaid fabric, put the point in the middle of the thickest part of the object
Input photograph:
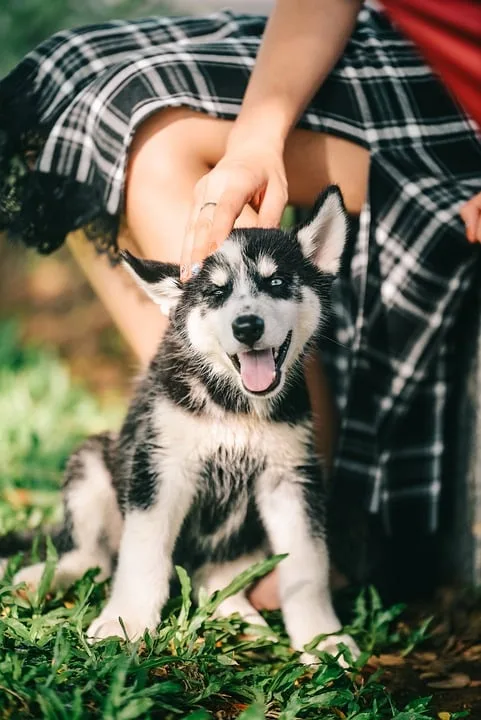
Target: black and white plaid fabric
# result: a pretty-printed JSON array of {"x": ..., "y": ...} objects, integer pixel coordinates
[{"x": 69, "y": 110}]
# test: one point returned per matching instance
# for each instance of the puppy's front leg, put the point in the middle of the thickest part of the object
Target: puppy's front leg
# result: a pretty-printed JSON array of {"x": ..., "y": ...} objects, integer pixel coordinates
[
  {"x": 141, "y": 582},
  {"x": 304, "y": 574}
]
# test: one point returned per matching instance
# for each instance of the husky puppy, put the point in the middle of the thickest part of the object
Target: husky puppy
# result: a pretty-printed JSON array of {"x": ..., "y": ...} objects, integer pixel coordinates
[{"x": 214, "y": 467}]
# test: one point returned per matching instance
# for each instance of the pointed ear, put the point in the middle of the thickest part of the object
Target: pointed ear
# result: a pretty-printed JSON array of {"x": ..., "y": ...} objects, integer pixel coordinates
[
  {"x": 160, "y": 281},
  {"x": 323, "y": 236}
]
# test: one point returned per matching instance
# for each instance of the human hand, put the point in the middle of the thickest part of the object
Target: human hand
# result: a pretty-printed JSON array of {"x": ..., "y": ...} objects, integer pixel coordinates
[
  {"x": 248, "y": 175},
  {"x": 471, "y": 214}
]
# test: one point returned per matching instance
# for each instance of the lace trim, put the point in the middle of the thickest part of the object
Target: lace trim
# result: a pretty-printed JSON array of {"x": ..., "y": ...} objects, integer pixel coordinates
[{"x": 41, "y": 209}]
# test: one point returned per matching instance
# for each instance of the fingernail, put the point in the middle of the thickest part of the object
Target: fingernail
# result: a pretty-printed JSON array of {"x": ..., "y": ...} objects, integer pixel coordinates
[{"x": 184, "y": 272}]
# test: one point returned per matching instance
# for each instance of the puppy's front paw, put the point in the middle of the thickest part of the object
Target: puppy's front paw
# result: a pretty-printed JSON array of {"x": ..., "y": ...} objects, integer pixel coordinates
[
  {"x": 108, "y": 625},
  {"x": 331, "y": 645}
]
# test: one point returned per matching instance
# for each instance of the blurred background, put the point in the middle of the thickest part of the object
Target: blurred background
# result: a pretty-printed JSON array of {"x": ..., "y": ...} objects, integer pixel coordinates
[
  {"x": 48, "y": 296},
  {"x": 64, "y": 370}
]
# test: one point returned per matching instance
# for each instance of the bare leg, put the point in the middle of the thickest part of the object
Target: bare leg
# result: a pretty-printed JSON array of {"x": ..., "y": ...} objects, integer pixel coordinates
[
  {"x": 139, "y": 321},
  {"x": 173, "y": 149}
]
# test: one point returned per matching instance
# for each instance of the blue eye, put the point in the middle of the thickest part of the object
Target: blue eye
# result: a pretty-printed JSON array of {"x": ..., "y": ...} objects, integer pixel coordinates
[
  {"x": 276, "y": 282},
  {"x": 219, "y": 291}
]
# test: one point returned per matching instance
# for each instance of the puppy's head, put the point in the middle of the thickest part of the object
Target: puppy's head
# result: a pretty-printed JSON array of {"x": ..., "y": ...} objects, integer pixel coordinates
[{"x": 255, "y": 304}]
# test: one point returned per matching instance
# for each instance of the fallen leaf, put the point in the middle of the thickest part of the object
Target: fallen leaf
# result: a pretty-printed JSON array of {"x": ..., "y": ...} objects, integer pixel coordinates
[
  {"x": 441, "y": 629},
  {"x": 473, "y": 652},
  {"x": 22, "y": 497},
  {"x": 391, "y": 660},
  {"x": 428, "y": 675},
  {"x": 452, "y": 682},
  {"x": 18, "y": 497},
  {"x": 452, "y": 642},
  {"x": 428, "y": 657},
  {"x": 444, "y": 715},
  {"x": 438, "y": 667}
]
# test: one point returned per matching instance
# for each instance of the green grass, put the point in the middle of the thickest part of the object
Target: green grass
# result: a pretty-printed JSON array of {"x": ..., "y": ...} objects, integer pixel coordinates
[
  {"x": 195, "y": 667},
  {"x": 43, "y": 415}
]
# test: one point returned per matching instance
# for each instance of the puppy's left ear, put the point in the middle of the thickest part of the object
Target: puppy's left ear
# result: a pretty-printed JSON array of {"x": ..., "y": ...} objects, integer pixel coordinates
[
  {"x": 324, "y": 235},
  {"x": 160, "y": 281}
]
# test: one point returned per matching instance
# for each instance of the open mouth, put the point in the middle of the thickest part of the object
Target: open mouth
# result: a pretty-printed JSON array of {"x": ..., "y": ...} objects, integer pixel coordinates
[{"x": 260, "y": 370}]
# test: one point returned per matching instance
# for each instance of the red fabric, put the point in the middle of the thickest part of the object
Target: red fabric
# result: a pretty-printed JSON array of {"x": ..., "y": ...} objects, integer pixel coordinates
[{"x": 448, "y": 35}]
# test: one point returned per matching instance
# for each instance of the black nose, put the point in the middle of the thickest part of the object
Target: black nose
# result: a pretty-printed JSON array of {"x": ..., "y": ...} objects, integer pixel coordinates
[{"x": 248, "y": 328}]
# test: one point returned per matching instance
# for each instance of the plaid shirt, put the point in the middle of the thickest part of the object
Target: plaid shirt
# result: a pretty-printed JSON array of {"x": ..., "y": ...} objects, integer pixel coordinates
[{"x": 76, "y": 101}]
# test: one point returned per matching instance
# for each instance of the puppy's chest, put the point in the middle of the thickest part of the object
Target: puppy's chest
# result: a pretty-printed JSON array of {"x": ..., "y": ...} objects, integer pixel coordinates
[
  {"x": 229, "y": 463},
  {"x": 230, "y": 450}
]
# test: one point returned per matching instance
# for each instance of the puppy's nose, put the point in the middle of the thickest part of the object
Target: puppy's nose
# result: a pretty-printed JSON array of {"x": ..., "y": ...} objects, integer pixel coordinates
[{"x": 248, "y": 328}]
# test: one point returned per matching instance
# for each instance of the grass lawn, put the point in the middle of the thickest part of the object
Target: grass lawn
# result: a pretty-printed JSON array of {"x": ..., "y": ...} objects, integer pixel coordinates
[{"x": 195, "y": 667}]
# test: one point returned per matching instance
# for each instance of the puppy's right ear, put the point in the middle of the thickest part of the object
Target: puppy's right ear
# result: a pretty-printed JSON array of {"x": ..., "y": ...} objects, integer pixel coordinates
[{"x": 160, "y": 281}]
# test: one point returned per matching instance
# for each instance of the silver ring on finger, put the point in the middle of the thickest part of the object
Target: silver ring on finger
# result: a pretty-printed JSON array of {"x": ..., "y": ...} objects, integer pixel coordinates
[{"x": 206, "y": 204}]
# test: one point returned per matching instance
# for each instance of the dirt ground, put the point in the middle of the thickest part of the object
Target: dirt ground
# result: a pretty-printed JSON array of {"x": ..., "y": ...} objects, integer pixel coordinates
[
  {"x": 56, "y": 308},
  {"x": 447, "y": 666}
]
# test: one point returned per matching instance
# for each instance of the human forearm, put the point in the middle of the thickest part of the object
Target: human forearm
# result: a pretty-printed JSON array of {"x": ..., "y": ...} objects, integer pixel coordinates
[{"x": 302, "y": 42}]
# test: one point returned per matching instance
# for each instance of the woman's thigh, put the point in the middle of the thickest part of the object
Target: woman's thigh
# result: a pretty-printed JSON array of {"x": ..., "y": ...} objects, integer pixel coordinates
[{"x": 174, "y": 147}]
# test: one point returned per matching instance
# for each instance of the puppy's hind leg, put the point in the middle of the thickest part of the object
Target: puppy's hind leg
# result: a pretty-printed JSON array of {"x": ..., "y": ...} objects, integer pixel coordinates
[
  {"x": 92, "y": 524},
  {"x": 217, "y": 576}
]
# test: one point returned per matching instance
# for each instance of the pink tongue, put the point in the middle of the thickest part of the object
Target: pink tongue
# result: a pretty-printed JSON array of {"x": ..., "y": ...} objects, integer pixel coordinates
[{"x": 258, "y": 370}]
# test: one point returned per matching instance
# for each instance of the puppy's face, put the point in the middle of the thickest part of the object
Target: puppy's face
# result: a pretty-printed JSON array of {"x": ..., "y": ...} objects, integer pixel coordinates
[{"x": 255, "y": 304}]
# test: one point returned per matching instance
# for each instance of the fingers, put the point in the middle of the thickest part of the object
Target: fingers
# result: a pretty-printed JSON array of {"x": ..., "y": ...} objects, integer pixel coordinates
[
  {"x": 195, "y": 244},
  {"x": 272, "y": 206},
  {"x": 201, "y": 246},
  {"x": 215, "y": 210},
  {"x": 473, "y": 232},
  {"x": 226, "y": 213},
  {"x": 186, "y": 260},
  {"x": 471, "y": 214},
  {"x": 255, "y": 178}
]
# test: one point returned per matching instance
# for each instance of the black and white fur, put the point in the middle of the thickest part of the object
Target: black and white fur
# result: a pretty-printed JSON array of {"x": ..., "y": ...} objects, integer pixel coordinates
[{"x": 206, "y": 473}]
